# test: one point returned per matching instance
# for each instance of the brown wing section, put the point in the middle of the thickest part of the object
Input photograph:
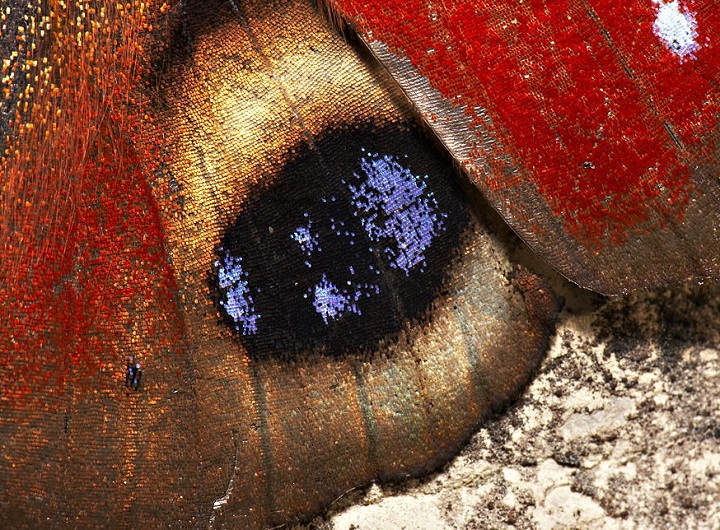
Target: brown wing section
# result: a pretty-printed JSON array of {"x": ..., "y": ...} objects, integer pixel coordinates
[
  {"x": 228, "y": 429},
  {"x": 315, "y": 426}
]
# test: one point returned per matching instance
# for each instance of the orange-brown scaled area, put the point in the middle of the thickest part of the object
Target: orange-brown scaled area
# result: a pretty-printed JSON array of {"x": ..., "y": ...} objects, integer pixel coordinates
[
  {"x": 138, "y": 135},
  {"x": 84, "y": 279}
]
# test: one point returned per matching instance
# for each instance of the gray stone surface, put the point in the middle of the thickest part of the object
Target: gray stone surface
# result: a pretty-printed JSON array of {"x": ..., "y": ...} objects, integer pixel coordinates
[{"x": 620, "y": 429}]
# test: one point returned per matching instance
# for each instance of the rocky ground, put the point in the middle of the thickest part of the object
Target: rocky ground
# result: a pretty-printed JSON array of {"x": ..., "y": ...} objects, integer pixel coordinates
[{"x": 620, "y": 429}]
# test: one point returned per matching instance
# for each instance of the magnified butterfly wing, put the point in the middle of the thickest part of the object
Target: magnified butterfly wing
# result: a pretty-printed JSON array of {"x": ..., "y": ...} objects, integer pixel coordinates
[
  {"x": 237, "y": 280},
  {"x": 85, "y": 283},
  {"x": 591, "y": 126}
]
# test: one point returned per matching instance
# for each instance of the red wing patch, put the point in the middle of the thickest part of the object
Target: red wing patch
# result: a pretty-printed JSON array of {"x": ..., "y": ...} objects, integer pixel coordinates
[{"x": 591, "y": 125}]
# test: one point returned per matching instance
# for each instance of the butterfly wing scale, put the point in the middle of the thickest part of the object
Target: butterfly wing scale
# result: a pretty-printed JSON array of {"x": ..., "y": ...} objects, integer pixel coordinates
[
  {"x": 591, "y": 126},
  {"x": 126, "y": 160}
]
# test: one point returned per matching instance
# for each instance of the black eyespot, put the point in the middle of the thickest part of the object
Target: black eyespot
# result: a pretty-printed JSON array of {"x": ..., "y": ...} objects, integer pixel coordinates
[{"x": 353, "y": 241}]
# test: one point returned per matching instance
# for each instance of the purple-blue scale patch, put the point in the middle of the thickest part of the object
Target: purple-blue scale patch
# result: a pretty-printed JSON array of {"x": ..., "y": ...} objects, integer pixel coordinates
[
  {"x": 396, "y": 210},
  {"x": 359, "y": 244},
  {"x": 307, "y": 239},
  {"x": 237, "y": 301},
  {"x": 331, "y": 302}
]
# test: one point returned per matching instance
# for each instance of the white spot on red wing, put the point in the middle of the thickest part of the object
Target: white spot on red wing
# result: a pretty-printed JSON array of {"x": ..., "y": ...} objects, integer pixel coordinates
[{"x": 676, "y": 28}]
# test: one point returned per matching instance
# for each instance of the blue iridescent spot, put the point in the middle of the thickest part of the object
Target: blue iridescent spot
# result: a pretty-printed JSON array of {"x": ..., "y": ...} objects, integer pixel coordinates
[
  {"x": 396, "y": 210},
  {"x": 364, "y": 224},
  {"x": 332, "y": 303},
  {"x": 237, "y": 301},
  {"x": 307, "y": 240}
]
